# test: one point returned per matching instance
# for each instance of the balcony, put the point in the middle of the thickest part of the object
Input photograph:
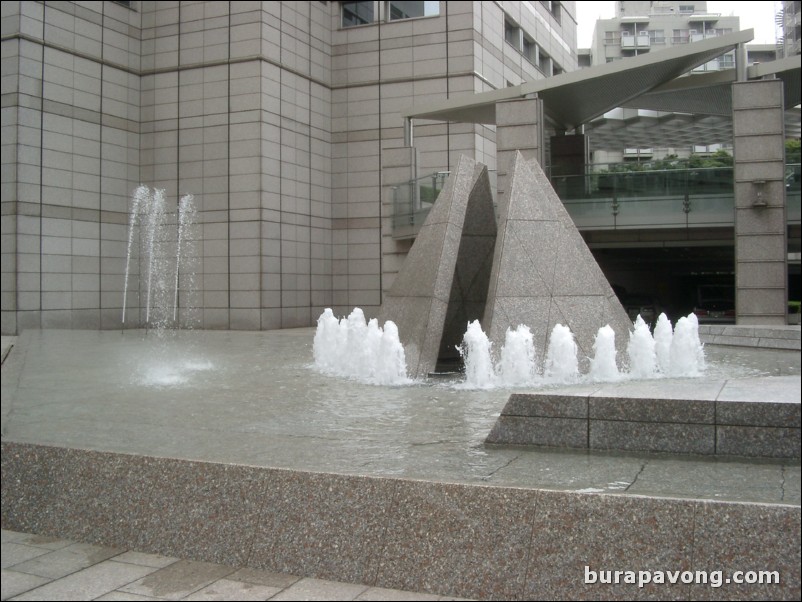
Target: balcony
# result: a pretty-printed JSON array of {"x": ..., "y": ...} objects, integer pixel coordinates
[{"x": 636, "y": 41}]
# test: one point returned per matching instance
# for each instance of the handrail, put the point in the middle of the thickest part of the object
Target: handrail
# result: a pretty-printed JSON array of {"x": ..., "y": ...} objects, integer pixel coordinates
[{"x": 651, "y": 198}]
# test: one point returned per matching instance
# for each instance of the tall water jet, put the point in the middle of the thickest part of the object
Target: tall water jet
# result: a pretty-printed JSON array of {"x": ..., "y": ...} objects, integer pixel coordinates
[
  {"x": 687, "y": 353},
  {"x": 186, "y": 217},
  {"x": 562, "y": 365},
  {"x": 475, "y": 352},
  {"x": 141, "y": 196},
  {"x": 164, "y": 250},
  {"x": 517, "y": 366},
  {"x": 663, "y": 335},
  {"x": 603, "y": 366},
  {"x": 641, "y": 351}
]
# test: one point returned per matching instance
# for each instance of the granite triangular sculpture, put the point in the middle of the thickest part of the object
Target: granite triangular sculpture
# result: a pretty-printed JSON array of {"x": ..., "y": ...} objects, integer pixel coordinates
[
  {"x": 443, "y": 283},
  {"x": 543, "y": 272}
]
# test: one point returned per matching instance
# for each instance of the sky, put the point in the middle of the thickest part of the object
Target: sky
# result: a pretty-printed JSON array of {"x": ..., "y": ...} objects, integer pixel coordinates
[{"x": 756, "y": 15}]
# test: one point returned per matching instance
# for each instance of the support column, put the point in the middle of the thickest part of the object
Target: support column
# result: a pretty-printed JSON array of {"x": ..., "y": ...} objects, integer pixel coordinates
[
  {"x": 761, "y": 246},
  {"x": 519, "y": 127},
  {"x": 569, "y": 156}
]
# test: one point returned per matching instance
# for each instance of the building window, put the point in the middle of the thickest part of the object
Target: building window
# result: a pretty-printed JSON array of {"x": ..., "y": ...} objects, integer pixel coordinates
[
  {"x": 398, "y": 10},
  {"x": 357, "y": 13},
  {"x": 657, "y": 36},
  {"x": 687, "y": 8},
  {"x": 529, "y": 50},
  {"x": 544, "y": 63},
  {"x": 681, "y": 36},
  {"x": 612, "y": 38},
  {"x": 512, "y": 34}
]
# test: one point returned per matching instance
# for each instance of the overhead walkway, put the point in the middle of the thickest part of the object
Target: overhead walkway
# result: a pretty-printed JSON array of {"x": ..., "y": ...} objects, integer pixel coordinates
[{"x": 611, "y": 200}]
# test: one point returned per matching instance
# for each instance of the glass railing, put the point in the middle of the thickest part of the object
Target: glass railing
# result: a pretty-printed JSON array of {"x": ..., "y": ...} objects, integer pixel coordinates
[
  {"x": 649, "y": 198},
  {"x": 412, "y": 201},
  {"x": 609, "y": 199}
]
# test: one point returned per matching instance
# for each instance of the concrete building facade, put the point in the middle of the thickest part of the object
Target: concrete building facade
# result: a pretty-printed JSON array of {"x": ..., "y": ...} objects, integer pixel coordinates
[{"x": 275, "y": 115}]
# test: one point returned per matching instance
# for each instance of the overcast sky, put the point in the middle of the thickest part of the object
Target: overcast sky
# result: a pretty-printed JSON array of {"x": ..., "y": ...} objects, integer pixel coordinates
[{"x": 758, "y": 15}]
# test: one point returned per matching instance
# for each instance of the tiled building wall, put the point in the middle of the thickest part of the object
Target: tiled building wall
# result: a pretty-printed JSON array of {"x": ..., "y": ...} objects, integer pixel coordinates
[
  {"x": 71, "y": 112},
  {"x": 270, "y": 113}
]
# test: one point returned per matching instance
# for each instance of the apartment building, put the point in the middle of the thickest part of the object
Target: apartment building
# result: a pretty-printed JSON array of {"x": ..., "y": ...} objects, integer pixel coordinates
[
  {"x": 275, "y": 115},
  {"x": 642, "y": 27}
]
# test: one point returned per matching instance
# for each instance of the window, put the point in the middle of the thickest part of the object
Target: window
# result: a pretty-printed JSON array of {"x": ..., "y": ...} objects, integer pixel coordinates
[
  {"x": 544, "y": 63},
  {"x": 357, "y": 13},
  {"x": 612, "y": 37},
  {"x": 397, "y": 10},
  {"x": 657, "y": 36},
  {"x": 530, "y": 50},
  {"x": 553, "y": 8},
  {"x": 686, "y": 8},
  {"x": 512, "y": 34},
  {"x": 681, "y": 36}
]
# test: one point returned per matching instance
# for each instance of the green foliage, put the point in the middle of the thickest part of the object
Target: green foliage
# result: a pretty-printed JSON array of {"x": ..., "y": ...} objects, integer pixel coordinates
[
  {"x": 720, "y": 158},
  {"x": 793, "y": 150}
]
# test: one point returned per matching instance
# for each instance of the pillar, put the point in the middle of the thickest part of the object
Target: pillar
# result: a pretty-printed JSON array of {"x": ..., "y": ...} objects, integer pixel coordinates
[{"x": 761, "y": 247}]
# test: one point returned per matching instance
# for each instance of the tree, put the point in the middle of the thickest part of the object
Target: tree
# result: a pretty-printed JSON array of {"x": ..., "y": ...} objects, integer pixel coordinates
[{"x": 793, "y": 150}]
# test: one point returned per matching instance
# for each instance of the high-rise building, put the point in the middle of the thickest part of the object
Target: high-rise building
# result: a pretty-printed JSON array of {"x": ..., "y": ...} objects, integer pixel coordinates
[
  {"x": 275, "y": 115},
  {"x": 791, "y": 21},
  {"x": 642, "y": 27}
]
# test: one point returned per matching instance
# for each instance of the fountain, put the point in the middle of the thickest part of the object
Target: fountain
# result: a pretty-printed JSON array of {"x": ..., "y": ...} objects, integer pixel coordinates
[
  {"x": 518, "y": 364},
  {"x": 165, "y": 244},
  {"x": 641, "y": 350},
  {"x": 475, "y": 351},
  {"x": 686, "y": 354},
  {"x": 362, "y": 351},
  {"x": 603, "y": 366}
]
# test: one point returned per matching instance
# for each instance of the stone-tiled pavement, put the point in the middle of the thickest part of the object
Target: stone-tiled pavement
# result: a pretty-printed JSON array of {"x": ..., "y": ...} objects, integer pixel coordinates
[{"x": 44, "y": 568}]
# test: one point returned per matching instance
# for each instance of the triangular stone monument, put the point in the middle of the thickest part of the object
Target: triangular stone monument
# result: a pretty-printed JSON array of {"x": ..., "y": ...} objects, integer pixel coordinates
[
  {"x": 444, "y": 281},
  {"x": 543, "y": 272}
]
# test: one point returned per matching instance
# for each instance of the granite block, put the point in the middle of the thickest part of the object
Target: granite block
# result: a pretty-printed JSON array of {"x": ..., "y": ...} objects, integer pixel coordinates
[
  {"x": 758, "y": 441},
  {"x": 606, "y": 533},
  {"x": 685, "y": 411},
  {"x": 443, "y": 267},
  {"x": 195, "y": 510},
  {"x": 541, "y": 256},
  {"x": 322, "y": 525},
  {"x": 791, "y": 344},
  {"x": 706, "y": 389},
  {"x": 649, "y": 436},
  {"x": 458, "y": 540},
  {"x": 553, "y": 405},
  {"x": 199, "y": 510},
  {"x": 758, "y": 413},
  {"x": 81, "y": 495},
  {"x": 747, "y": 537},
  {"x": 535, "y": 430}
]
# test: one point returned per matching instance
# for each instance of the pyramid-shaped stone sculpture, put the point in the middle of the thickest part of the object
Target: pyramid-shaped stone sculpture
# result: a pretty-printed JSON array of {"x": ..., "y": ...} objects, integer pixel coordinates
[
  {"x": 543, "y": 272},
  {"x": 444, "y": 281}
]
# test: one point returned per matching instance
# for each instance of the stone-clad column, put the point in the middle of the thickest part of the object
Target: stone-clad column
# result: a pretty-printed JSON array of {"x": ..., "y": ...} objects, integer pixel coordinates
[
  {"x": 519, "y": 128},
  {"x": 761, "y": 249}
]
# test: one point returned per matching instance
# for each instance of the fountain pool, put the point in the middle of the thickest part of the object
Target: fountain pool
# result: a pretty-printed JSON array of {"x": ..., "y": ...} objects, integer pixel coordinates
[{"x": 254, "y": 398}]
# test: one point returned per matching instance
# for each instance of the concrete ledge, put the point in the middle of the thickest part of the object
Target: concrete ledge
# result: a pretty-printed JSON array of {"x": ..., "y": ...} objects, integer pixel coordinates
[
  {"x": 753, "y": 417},
  {"x": 454, "y": 540},
  {"x": 764, "y": 337}
]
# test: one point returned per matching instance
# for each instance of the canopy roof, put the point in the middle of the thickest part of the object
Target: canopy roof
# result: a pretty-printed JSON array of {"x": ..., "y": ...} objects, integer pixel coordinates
[{"x": 698, "y": 107}]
